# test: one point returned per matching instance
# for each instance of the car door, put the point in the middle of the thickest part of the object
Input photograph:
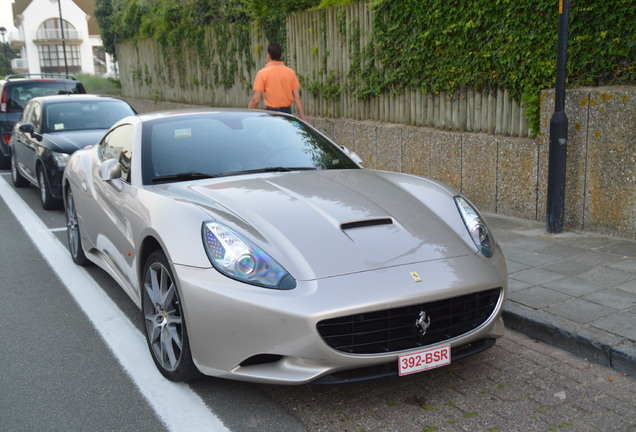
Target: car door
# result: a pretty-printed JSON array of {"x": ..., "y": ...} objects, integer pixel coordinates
[
  {"x": 34, "y": 140},
  {"x": 108, "y": 214},
  {"x": 25, "y": 143}
]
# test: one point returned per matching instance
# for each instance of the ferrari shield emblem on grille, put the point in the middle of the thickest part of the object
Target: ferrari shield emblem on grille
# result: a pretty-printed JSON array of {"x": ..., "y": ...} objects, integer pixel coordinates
[
  {"x": 416, "y": 277},
  {"x": 423, "y": 322}
]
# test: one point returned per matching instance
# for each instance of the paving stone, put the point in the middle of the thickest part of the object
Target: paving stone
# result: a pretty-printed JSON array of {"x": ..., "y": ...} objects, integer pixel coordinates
[
  {"x": 622, "y": 323},
  {"x": 531, "y": 243},
  {"x": 614, "y": 298},
  {"x": 629, "y": 287},
  {"x": 514, "y": 267},
  {"x": 536, "y": 276},
  {"x": 627, "y": 264},
  {"x": 595, "y": 258},
  {"x": 569, "y": 266},
  {"x": 607, "y": 276},
  {"x": 573, "y": 286},
  {"x": 532, "y": 259},
  {"x": 580, "y": 311},
  {"x": 516, "y": 285},
  {"x": 538, "y": 297},
  {"x": 510, "y": 251},
  {"x": 562, "y": 250},
  {"x": 625, "y": 248}
]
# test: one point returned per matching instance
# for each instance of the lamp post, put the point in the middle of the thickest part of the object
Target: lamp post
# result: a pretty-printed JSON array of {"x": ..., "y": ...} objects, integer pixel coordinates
[
  {"x": 558, "y": 131},
  {"x": 59, "y": 6}
]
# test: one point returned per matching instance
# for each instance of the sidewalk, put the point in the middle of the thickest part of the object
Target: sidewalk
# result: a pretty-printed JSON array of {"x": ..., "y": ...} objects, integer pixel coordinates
[{"x": 575, "y": 290}]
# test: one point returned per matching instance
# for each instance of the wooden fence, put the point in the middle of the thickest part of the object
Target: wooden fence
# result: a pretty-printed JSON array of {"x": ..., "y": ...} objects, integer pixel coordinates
[{"x": 320, "y": 48}]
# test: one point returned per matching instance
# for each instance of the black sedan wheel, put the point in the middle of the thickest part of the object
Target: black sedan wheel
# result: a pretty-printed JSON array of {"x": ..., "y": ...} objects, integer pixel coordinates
[
  {"x": 73, "y": 231},
  {"x": 164, "y": 323},
  {"x": 5, "y": 161},
  {"x": 16, "y": 177},
  {"x": 48, "y": 202}
]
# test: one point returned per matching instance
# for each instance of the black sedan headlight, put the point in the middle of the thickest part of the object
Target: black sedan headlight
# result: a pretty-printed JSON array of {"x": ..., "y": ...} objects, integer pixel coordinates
[
  {"x": 476, "y": 226},
  {"x": 60, "y": 159},
  {"x": 238, "y": 258}
]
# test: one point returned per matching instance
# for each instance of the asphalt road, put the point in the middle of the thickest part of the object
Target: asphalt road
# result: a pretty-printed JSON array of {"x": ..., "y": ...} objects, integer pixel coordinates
[{"x": 73, "y": 359}]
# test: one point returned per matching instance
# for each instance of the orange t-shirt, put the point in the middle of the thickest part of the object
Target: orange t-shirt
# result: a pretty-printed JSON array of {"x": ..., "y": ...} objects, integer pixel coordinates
[{"x": 277, "y": 81}]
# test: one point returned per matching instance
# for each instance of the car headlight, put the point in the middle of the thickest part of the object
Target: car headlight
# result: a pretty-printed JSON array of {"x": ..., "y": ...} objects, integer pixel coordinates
[
  {"x": 60, "y": 159},
  {"x": 236, "y": 257},
  {"x": 476, "y": 226}
]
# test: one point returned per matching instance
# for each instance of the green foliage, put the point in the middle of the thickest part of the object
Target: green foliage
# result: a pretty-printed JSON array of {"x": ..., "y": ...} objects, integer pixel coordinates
[
  {"x": 330, "y": 3},
  {"x": 98, "y": 84},
  {"x": 6, "y": 55},
  {"x": 488, "y": 44},
  {"x": 431, "y": 45}
]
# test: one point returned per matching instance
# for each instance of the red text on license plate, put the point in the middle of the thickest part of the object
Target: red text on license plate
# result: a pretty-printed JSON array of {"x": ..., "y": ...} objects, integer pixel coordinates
[{"x": 423, "y": 360}]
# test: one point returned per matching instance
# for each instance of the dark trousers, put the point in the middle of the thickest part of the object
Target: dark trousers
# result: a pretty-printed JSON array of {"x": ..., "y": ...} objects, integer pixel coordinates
[{"x": 286, "y": 110}]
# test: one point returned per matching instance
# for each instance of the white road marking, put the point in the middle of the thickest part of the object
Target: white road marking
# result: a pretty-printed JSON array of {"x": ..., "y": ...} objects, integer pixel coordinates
[{"x": 178, "y": 407}]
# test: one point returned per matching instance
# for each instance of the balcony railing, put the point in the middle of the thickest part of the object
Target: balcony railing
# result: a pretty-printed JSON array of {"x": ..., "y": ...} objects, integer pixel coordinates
[
  {"x": 55, "y": 34},
  {"x": 19, "y": 64}
]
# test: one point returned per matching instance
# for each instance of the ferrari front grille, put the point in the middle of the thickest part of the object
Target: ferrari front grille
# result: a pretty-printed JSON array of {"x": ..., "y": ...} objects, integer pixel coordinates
[{"x": 409, "y": 327}]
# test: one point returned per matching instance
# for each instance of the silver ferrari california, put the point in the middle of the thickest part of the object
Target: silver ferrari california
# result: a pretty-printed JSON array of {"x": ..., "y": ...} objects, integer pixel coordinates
[{"x": 259, "y": 250}]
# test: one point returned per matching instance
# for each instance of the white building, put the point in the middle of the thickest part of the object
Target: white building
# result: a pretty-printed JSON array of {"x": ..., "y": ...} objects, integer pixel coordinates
[{"x": 46, "y": 46}]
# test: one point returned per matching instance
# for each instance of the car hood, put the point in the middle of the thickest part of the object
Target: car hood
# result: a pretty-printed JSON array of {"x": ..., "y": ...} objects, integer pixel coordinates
[
  {"x": 68, "y": 142},
  {"x": 325, "y": 223}
]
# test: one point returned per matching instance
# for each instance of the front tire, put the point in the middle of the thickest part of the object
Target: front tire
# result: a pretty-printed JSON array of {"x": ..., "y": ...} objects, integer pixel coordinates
[
  {"x": 47, "y": 199},
  {"x": 164, "y": 323},
  {"x": 73, "y": 231}
]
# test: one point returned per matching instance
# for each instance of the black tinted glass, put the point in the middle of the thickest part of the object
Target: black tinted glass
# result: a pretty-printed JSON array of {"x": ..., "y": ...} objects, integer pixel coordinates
[
  {"x": 83, "y": 115},
  {"x": 225, "y": 144},
  {"x": 20, "y": 93}
]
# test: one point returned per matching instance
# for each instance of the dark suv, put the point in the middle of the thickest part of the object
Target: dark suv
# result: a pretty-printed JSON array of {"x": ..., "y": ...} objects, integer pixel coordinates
[{"x": 17, "y": 90}]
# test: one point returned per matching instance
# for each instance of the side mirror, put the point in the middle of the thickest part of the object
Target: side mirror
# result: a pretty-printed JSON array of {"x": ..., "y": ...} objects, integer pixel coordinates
[
  {"x": 353, "y": 155},
  {"x": 111, "y": 172},
  {"x": 27, "y": 128}
]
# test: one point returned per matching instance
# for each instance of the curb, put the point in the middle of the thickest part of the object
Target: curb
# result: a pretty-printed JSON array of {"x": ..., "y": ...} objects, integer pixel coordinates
[{"x": 595, "y": 346}]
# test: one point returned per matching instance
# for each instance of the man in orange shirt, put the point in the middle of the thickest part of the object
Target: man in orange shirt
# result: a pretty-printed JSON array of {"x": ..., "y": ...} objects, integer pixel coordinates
[{"x": 279, "y": 83}]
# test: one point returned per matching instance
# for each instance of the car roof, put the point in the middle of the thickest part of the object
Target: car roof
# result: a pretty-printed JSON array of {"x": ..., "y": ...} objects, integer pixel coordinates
[
  {"x": 33, "y": 77},
  {"x": 205, "y": 110},
  {"x": 74, "y": 98}
]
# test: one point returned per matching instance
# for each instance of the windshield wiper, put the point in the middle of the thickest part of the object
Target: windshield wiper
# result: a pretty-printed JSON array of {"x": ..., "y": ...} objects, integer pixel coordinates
[
  {"x": 184, "y": 176},
  {"x": 268, "y": 169}
]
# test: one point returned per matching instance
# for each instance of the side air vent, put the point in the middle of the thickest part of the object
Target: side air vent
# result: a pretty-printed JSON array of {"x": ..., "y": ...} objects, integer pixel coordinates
[{"x": 366, "y": 223}]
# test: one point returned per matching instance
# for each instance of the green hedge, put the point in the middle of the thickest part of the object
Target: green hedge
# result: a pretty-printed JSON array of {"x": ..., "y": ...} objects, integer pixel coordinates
[
  {"x": 443, "y": 45},
  {"x": 431, "y": 45}
]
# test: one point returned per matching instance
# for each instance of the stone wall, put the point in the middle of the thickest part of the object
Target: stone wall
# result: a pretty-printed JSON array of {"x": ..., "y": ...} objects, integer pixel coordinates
[{"x": 509, "y": 175}]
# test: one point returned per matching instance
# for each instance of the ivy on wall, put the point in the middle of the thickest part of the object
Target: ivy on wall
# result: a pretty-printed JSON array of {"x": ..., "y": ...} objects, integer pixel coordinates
[
  {"x": 430, "y": 45},
  {"x": 447, "y": 45}
]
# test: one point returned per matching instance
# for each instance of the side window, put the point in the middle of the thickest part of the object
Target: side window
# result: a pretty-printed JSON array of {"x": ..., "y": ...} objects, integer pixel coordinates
[
  {"x": 118, "y": 145},
  {"x": 26, "y": 113},
  {"x": 35, "y": 116}
]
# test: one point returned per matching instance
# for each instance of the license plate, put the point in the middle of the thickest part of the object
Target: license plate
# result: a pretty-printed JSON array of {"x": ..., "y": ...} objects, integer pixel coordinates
[{"x": 424, "y": 360}]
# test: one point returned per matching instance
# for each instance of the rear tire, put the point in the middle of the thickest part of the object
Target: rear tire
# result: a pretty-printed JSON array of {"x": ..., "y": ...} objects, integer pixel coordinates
[
  {"x": 73, "y": 232},
  {"x": 5, "y": 161},
  {"x": 164, "y": 322},
  {"x": 16, "y": 177}
]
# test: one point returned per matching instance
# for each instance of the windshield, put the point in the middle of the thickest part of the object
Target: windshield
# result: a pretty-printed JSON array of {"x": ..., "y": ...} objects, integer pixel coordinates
[
  {"x": 202, "y": 145},
  {"x": 83, "y": 115},
  {"x": 18, "y": 94}
]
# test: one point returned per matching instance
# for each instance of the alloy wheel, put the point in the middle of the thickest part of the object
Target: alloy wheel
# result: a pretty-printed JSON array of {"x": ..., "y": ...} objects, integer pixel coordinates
[{"x": 163, "y": 318}]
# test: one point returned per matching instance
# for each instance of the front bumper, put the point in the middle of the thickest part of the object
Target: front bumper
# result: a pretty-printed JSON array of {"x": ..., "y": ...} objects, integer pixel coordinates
[{"x": 255, "y": 334}]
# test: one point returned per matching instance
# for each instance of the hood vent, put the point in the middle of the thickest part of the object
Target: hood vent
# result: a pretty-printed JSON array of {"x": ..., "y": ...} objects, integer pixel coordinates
[{"x": 366, "y": 223}]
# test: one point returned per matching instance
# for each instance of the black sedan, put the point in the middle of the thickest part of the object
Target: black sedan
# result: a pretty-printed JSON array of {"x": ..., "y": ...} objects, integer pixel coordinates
[{"x": 53, "y": 127}]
